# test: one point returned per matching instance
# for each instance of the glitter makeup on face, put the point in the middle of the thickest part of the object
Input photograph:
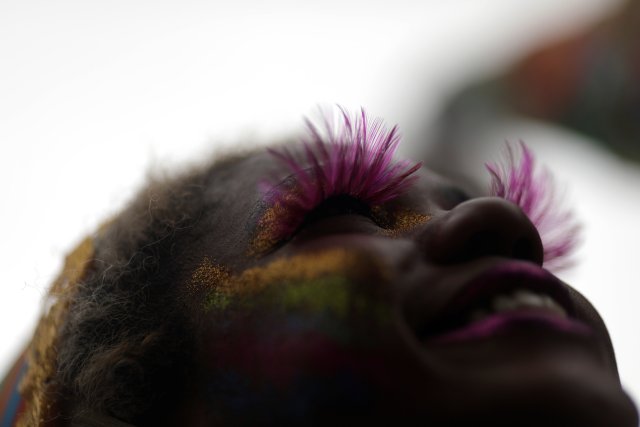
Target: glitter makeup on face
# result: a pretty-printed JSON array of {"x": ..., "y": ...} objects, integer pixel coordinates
[
  {"x": 395, "y": 223},
  {"x": 353, "y": 159},
  {"x": 207, "y": 274},
  {"x": 317, "y": 276},
  {"x": 404, "y": 221},
  {"x": 268, "y": 235},
  {"x": 517, "y": 180},
  {"x": 317, "y": 295},
  {"x": 207, "y": 279},
  {"x": 294, "y": 323}
]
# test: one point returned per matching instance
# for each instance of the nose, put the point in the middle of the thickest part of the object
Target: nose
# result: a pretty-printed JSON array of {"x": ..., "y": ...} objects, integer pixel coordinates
[{"x": 487, "y": 226}]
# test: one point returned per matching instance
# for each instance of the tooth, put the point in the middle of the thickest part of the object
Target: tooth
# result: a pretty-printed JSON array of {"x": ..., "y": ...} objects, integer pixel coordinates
[
  {"x": 503, "y": 303},
  {"x": 523, "y": 298},
  {"x": 528, "y": 299},
  {"x": 549, "y": 302}
]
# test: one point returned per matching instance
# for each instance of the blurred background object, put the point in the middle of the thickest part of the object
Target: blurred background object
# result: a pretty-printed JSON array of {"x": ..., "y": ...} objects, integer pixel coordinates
[
  {"x": 93, "y": 94},
  {"x": 587, "y": 81}
]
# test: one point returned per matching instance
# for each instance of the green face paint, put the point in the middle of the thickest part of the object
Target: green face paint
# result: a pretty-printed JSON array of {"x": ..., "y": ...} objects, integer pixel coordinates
[
  {"x": 318, "y": 295},
  {"x": 326, "y": 283}
]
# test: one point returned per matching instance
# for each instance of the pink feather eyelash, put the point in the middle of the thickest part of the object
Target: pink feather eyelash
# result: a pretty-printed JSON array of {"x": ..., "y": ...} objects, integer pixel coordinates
[
  {"x": 516, "y": 179},
  {"x": 354, "y": 159}
]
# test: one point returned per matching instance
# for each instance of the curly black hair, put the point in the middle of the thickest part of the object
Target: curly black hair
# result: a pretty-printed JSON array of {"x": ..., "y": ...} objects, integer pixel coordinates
[{"x": 116, "y": 339}]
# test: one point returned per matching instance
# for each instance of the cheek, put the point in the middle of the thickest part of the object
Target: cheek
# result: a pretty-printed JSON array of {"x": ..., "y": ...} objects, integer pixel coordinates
[
  {"x": 587, "y": 313},
  {"x": 312, "y": 330},
  {"x": 298, "y": 322},
  {"x": 298, "y": 343}
]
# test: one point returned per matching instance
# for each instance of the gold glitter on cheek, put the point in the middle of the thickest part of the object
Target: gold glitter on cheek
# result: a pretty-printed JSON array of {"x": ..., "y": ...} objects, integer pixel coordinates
[
  {"x": 301, "y": 267},
  {"x": 405, "y": 221},
  {"x": 217, "y": 288},
  {"x": 267, "y": 226},
  {"x": 207, "y": 276},
  {"x": 271, "y": 224}
]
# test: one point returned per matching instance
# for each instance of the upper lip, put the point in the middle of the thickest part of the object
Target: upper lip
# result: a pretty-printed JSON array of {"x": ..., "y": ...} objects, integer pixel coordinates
[{"x": 502, "y": 278}]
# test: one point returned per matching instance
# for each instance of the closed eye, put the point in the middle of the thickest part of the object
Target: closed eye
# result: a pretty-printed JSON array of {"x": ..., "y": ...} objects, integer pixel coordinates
[
  {"x": 354, "y": 159},
  {"x": 338, "y": 215},
  {"x": 338, "y": 205}
]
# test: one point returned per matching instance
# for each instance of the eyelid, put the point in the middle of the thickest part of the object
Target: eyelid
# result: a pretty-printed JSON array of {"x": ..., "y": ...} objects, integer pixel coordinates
[
  {"x": 264, "y": 219},
  {"x": 338, "y": 206},
  {"x": 344, "y": 224},
  {"x": 355, "y": 159}
]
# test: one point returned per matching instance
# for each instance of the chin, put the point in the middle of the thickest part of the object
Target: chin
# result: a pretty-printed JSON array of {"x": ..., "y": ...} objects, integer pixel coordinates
[
  {"x": 560, "y": 393},
  {"x": 567, "y": 391}
]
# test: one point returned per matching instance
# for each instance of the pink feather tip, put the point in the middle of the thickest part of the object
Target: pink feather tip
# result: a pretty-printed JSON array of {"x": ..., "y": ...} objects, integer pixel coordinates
[
  {"x": 516, "y": 179},
  {"x": 354, "y": 158}
]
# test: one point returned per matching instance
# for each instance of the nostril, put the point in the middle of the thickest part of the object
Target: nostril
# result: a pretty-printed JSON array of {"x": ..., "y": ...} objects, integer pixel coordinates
[
  {"x": 481, "y": 244},
  {"x": 488, "y": 243},
  {"x": 524, "y": 249}
]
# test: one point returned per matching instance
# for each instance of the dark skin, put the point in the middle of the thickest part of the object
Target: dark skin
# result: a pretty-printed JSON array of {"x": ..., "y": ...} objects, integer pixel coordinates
[{"x": 530, "y": 372}]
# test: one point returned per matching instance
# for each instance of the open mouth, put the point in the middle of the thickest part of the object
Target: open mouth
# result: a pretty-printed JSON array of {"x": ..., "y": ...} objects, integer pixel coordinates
[{"x": 509, "y": 296}]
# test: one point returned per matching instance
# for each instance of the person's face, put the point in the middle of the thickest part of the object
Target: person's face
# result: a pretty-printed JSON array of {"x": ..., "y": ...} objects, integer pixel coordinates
[{"x": 442, "y": 315}]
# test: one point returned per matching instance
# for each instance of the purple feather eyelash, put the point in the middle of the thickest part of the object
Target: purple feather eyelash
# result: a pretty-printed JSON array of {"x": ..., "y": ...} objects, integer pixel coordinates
[
  {"x": 354, "y": 159},
  {"x": 516, "y": 180}
]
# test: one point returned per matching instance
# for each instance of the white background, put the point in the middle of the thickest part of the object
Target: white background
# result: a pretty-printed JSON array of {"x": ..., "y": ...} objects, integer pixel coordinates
[{"x": 94, "y": 94}]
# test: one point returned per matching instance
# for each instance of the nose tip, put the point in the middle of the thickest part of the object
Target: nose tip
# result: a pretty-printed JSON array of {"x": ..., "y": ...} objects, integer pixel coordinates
[{"x": 487, "y": 226}]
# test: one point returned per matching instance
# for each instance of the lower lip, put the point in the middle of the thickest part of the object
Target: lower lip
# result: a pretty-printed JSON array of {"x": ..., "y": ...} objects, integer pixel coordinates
[{"x": 521, "y": 320}]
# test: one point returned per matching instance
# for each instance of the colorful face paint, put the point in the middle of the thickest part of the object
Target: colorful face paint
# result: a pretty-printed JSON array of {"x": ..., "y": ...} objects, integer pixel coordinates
[
  {"x": 314, "y": 280},
  {"x": 292, "y": 331},
  {"x": 404, "y": 221}
]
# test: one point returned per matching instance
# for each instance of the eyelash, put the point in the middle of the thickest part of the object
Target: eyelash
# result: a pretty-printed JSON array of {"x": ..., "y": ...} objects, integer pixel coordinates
[
  {"x": 516, "y": 179},
  {"x": 356, "y": 160}
]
